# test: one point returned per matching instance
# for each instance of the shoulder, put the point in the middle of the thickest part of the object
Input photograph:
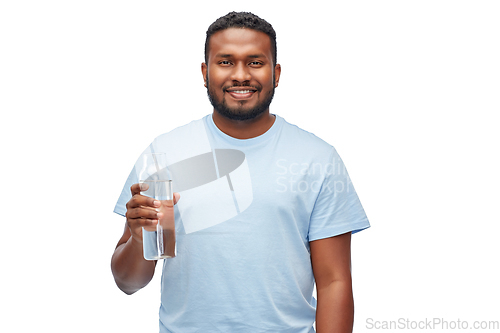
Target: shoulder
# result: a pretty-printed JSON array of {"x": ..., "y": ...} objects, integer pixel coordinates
[
  {"x": 184, "y": 141},
  {"x": 304, "y": 140},
  {"x": 194, "y": 127}
]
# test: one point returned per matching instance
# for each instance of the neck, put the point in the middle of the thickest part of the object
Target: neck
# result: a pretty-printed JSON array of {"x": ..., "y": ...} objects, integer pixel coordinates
[{"x": 244, "y": 129}]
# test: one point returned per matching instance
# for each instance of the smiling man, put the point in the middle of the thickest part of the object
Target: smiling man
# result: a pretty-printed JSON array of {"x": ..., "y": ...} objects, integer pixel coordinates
[
  {"x": 254, "y": 232},
  {"x": 243, "y": 73}
]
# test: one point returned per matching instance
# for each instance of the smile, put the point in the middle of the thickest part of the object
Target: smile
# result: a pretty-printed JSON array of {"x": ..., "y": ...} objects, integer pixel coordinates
[
  {"x": 242, "y": 91},
  {"x": 239, "y": 93}
]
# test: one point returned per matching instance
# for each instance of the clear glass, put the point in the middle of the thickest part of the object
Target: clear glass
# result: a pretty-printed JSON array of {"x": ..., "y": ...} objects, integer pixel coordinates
[{"x": 158, "y": 242}]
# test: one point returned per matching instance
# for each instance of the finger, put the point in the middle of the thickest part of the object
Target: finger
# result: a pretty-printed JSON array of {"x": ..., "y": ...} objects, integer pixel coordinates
[
  {"x": 177, "y": 196},
  {"x": 142, "y": 200},
  {"x": 138, "y": 188},
  {"x": 134, "y": 224},
  {"x": 142, "y": 213}
]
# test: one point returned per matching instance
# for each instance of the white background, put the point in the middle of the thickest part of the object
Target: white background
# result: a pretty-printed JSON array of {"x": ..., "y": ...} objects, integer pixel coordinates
[{"x": 406, "y": 91}]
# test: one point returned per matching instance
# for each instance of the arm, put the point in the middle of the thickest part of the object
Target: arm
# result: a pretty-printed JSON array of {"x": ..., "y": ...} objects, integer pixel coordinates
[
  {"x": 130, "y": 270},
  {"x": 331, "y": 263}
]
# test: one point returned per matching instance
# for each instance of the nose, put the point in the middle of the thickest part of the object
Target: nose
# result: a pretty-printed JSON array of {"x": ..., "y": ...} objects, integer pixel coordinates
[{"x": 240, "y": 73}]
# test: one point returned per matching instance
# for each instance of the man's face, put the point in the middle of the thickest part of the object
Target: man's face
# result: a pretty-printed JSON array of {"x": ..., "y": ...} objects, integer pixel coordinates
[{"x": 240, "y": 75}]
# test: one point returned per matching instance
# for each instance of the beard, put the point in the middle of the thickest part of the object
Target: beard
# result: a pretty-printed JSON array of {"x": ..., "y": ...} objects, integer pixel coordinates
[{"x": 240, "y": 113}]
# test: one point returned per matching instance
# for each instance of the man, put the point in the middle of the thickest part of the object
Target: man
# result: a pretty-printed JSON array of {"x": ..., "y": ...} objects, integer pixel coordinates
[{"x": 263, "y": 209}]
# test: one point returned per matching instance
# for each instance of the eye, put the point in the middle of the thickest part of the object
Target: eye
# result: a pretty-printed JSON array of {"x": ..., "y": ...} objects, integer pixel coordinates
[
  {"x": 224, "y": 62},
  {"x": 256, "y": 63}
]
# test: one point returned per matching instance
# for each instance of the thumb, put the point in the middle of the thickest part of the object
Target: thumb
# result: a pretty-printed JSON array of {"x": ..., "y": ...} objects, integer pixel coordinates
[{"x": 138, "y": 188}]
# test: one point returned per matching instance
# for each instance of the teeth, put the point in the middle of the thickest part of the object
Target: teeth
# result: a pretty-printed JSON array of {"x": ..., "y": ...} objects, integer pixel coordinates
[{"x": 242, "y": 91}]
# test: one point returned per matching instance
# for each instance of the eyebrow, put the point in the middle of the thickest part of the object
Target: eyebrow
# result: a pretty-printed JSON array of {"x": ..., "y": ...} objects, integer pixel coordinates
[
  {"x": 257, "y": 56},
  {"x": 253, "y": 56}
]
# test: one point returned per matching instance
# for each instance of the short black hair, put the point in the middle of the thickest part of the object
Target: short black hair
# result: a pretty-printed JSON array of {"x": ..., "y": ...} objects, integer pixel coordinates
[{"x": 242, "y": 20}]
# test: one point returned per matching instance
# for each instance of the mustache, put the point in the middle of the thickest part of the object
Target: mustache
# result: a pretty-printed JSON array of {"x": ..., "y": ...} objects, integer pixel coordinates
[{"x": 258, "y": 88}]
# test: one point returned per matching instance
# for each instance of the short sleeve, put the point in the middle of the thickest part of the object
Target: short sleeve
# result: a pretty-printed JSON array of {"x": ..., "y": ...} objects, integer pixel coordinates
[
  {"x": 125, "y": 195},
  {"x": 337, "y": 209}
]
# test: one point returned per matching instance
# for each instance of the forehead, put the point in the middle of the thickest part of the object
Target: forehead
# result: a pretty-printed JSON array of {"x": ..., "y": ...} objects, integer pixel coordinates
[{"x": 239, "y": 42}]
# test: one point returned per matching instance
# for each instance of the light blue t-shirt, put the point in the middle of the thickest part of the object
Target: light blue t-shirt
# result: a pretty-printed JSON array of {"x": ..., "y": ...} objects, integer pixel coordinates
[{"x": 247, "y": 212}]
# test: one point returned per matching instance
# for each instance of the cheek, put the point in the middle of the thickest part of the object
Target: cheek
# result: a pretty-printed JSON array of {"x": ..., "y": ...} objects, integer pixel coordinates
[
  {"x": 216, "y": 75},
  {"x": 266, "y": 79}
]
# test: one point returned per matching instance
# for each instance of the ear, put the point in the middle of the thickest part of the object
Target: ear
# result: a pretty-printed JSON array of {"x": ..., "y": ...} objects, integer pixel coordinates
[
  {"x": 277, "y": 74},
  {"x": 204, "y": 70}
]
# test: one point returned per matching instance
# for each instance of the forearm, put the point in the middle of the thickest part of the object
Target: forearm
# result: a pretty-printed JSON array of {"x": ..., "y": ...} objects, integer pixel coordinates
[
  {"x": 335, "y": 308},
  {"x": 130, "y": 270}
]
